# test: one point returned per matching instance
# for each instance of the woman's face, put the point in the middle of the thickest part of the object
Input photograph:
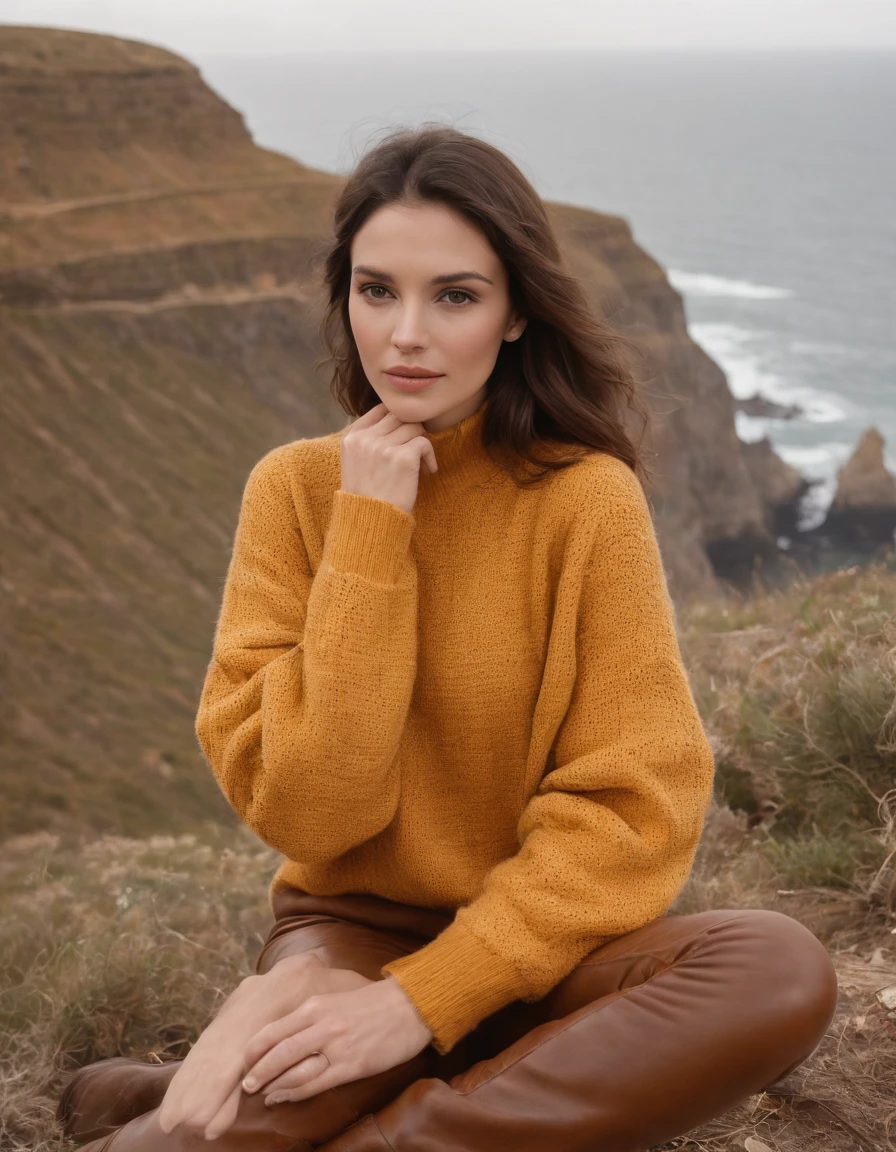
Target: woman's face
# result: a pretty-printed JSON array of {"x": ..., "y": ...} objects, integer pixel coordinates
[{"x": 401, "y": 318}]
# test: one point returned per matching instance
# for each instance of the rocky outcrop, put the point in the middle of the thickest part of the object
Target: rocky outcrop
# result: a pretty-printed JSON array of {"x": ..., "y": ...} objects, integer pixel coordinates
[
  {"x": 781, "y": 488},
  {"x": 864, "y": 504},
  {"x": 759, "y": 405},
  {"x": 708, "y": 513},
  {"x": 88, "y": 116},
  {"x": 158, "y": 334}
]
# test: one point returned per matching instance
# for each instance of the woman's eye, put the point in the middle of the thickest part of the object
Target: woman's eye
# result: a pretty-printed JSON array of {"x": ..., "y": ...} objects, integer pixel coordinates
[
  {"x": 459, "y": 292},
  {"x": 371, "y": 289}
]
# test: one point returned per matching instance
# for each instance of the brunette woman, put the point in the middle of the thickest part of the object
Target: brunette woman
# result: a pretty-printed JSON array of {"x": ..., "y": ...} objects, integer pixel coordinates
[{"x": 446, "y": 686}]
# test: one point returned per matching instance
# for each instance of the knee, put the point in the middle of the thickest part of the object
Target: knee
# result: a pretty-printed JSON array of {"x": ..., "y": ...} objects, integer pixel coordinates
[{"x": 798, "y": 976}]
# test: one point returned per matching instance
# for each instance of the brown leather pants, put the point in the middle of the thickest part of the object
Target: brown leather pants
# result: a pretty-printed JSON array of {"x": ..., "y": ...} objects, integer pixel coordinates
[{"x": 658, "y": 1031}]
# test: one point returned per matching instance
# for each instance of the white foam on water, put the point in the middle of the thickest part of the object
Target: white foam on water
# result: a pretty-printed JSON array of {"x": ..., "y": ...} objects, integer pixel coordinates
[
  {"x": 814, "y": 505},
  {"x": 816, "y": 460},
  {"x": 708, "y": 284},
  {"x": 819, "y": 462},
  {"x": 820, "y": 348},
  {"x": 750, "y": 428},
  {"x": 742, "y": 354}
]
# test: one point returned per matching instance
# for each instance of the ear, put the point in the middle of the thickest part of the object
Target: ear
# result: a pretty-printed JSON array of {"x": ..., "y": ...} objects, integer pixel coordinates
[{"x": 515, "y": 326}]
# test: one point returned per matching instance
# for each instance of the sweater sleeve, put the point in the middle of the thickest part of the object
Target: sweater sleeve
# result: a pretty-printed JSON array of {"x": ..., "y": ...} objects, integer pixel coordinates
[
  {"x": 609, "y": 837},
  {"x": 311, "y": 675}
]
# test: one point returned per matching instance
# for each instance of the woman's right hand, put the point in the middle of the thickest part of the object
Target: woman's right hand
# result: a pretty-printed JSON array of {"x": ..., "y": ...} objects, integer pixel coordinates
[
  {"x": 381, "y": 457},
  {"x": 208, "y": 1084}
]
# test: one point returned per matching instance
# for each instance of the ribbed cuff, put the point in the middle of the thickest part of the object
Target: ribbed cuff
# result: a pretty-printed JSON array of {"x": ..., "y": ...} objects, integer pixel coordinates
[
  {"x": 454, "y": 982},
  {"x": 368, "y": 536}
]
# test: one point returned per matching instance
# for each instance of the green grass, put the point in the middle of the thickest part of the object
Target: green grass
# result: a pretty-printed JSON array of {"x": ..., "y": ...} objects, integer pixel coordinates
[{"x": 798, "y": 689}]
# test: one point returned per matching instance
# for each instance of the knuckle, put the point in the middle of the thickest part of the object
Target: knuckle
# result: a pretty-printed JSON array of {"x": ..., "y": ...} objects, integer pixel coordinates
[{"x": 337, "y": 1029}]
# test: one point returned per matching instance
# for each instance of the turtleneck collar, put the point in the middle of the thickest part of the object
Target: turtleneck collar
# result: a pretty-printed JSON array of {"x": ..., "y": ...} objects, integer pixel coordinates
[{"x": 462, "y": 460}]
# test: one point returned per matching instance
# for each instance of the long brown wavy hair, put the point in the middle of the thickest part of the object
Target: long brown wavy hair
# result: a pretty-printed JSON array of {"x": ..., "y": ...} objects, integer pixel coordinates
[{"x": 568, "y": 377}]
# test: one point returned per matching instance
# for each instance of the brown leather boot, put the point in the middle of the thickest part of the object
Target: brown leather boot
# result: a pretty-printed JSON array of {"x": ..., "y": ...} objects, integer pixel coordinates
[
  {"x": 287, "y": 1127},
  {"x": 100, "y": 1097}
]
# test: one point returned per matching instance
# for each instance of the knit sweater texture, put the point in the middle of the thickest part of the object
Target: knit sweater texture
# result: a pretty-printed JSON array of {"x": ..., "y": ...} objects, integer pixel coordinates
[{"x": 480, "y": 707}]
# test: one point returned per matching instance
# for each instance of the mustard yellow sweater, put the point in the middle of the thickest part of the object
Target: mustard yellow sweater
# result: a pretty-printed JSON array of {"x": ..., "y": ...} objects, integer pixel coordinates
[{"x": 480, "y": 707}]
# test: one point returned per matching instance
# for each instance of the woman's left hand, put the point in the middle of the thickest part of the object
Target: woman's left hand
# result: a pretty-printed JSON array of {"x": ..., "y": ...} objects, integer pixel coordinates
[{"x": 359, "y": 1032}]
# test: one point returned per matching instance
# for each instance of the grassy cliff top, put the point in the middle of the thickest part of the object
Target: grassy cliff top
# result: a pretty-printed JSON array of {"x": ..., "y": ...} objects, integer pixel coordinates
[{"x": 62, "y": 50}]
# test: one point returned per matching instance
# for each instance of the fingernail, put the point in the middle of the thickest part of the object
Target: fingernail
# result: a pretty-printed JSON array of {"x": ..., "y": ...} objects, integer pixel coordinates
[
  {"x": 250, "y": 1083},
  {"x": 276, "y": 1099}
]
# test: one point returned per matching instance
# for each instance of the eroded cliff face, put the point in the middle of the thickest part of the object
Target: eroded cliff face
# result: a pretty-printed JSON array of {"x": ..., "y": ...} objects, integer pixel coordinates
[
  {"x": 87, "y": 116},
  {"x": 158, "y": 332},
  {"x": 780, "y": 486},
  {"x": 709, "y": 514}
]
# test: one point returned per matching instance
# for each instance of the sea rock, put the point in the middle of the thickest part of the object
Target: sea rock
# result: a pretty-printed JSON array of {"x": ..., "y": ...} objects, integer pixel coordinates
[
  {"x": 759, "y": 405},
  {"x": 781, "y": 487},
  {"x": 864, "y": 504}
]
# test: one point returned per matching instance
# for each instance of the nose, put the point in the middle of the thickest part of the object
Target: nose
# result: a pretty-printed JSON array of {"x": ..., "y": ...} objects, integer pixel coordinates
[{"x": 410, "y": 329}]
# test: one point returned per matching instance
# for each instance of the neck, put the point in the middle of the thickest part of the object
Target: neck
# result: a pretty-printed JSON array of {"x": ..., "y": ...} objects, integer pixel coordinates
[{"x": 461, "y": 458}]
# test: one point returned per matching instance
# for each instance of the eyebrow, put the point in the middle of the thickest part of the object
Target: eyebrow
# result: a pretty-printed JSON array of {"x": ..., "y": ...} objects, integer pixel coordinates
[{"x": 362, "y": 270}]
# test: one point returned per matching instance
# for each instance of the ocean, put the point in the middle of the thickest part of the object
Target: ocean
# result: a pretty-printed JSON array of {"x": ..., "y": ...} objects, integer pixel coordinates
[{"x": 764, "y": 184}]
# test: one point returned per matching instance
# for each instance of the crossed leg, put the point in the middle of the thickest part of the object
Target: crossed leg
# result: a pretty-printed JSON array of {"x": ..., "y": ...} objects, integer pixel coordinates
[
  {"x": 654, "y": 1033},
  {"x": 651, "y": 1035}
]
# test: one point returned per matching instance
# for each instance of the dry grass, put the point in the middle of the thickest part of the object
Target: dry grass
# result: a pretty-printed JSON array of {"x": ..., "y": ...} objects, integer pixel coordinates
[
  {"x": 119, "y": 947},
  {"x": 124, "y": 946},
  {"x": 797, "y": 689},
  {"x": 798, "y": 692}
]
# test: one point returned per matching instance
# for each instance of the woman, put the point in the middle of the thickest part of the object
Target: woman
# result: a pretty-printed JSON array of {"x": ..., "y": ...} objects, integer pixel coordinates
[{"x": 446, "y": 685}]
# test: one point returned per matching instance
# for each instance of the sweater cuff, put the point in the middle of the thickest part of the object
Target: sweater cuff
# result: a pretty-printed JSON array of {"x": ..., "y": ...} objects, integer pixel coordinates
[
  {"x": 455, "y": 981},
  {"x": 368, "y": 536}
]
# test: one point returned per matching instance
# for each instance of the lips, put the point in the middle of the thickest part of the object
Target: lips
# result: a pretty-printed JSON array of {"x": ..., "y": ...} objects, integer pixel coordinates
[
  {"x": 405, "y": 383},
  {"x": 412, "y": 373}
]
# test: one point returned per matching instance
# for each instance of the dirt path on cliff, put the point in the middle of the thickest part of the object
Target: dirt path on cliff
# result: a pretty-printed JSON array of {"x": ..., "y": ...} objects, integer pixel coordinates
[
  {"x": 24, "y": 211},
  {"x": 188, "y": 298}
]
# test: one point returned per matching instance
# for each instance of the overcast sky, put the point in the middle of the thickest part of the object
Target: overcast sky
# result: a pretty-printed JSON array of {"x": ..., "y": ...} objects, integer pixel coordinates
[{"x": 194, "y": 27}]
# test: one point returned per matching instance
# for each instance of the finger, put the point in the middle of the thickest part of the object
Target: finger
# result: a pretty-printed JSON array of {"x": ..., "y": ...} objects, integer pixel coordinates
[
  {"x": 176, "y": 1103},
  {"x": 275, "y": 1033},
  {"x": 226, "y": 1116},
  {"x": 332, "y": 1077},
  {"x": 297, "y": 1076},
  {"x": 427, "y": 455},
  {"x": 200, "y": 1098},
  {"x": 430, "y": 457},
  {"x": 171, "y": 1110},
  {"x": 398, "y": 430},
  {"x": 370, "y": 416},
  {"x": 283, "y": 1056}
]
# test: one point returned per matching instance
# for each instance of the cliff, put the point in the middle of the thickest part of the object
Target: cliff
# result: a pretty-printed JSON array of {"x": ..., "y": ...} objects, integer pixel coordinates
[
  {"x": 157, "y": 336},
  {"x": 780, "y": 486}
]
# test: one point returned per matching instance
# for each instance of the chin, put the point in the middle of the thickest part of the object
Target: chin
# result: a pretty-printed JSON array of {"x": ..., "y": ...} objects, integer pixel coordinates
[{"x": 415, "y": 409}]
